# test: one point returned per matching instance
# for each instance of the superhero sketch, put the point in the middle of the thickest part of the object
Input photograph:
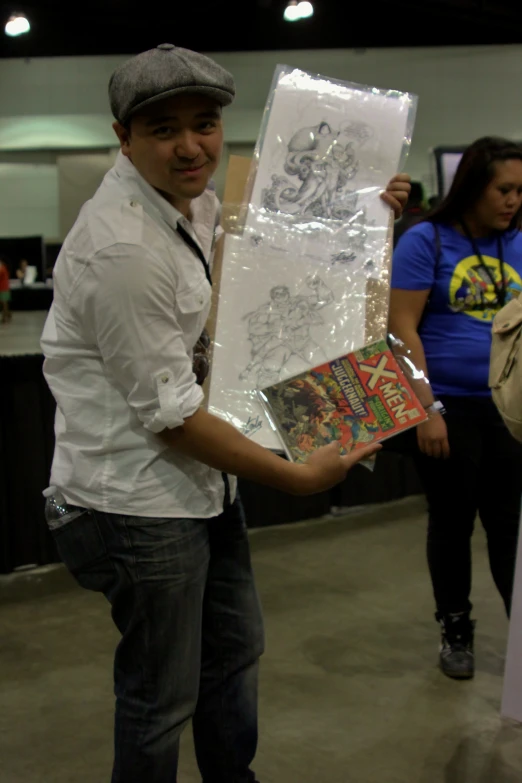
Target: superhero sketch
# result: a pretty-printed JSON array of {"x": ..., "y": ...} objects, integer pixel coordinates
[
  {"x": 280, "y": 331},
  {"x": 321, "y": 161}
]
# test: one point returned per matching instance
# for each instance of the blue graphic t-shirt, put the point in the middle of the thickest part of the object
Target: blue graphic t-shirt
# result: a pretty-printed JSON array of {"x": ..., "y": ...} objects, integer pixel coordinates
[{"x": 456, "y": 327}]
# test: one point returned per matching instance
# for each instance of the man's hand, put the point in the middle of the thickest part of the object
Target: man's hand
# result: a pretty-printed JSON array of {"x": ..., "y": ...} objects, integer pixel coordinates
[
  {"x": 397, "y": 193},
  {"x": 326, "y": 467},
  {"x": 432, "y": 437},
  {"x": 217, "y": 443}
]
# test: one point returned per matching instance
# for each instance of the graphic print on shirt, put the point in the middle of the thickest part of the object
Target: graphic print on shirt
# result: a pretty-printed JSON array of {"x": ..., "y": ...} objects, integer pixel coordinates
[{"x": 472, "y": 292}]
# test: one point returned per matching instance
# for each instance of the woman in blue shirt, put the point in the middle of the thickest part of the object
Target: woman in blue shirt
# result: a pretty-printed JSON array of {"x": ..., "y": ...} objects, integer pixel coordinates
[{"x": 451, "y": 274}]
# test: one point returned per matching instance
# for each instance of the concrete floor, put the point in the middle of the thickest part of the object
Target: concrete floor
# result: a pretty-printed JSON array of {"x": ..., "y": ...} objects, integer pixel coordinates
[
  {"x": 350, "y": 690},
  {"x": 22, "y": 334}
]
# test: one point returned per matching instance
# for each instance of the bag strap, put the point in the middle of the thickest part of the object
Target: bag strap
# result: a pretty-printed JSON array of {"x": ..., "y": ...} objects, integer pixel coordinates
[{"x": 438, "y": 256}]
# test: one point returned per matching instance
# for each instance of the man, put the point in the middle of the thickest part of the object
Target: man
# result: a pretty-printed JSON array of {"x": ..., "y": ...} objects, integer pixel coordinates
[{"x": 144, "y": 509}]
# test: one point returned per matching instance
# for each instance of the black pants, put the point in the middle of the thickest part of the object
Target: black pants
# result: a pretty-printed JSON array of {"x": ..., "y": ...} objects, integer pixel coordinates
[{"x": 483, "y": 475}]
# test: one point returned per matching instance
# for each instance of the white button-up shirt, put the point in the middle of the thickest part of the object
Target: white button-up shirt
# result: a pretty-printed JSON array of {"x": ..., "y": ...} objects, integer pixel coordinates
[{"x": 130, "y": 302}]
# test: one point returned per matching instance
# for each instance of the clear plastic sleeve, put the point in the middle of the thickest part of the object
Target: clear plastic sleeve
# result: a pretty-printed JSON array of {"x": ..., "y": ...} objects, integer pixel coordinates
[
  {"x": 416, "y": 377},
  {"x": 356, "y": 399},
  {"x": 325, "y": 151},
  {"x": 303, "y": 271}
]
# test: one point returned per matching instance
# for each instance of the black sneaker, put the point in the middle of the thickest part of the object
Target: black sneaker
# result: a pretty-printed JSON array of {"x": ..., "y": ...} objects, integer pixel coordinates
[{"x": 457, "y": 658}]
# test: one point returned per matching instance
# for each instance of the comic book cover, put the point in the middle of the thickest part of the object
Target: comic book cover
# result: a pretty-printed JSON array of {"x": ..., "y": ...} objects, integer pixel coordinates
[{"x": 358, "y": 398}]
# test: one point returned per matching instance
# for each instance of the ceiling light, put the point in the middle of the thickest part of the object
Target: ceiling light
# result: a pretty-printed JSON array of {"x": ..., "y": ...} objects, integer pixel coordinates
[
  {"x": 295, "y": 10},
  {"x": 292, "y": 13},
  {"x": 306, "y": 9},
  {"x": 17, "y": 24}
]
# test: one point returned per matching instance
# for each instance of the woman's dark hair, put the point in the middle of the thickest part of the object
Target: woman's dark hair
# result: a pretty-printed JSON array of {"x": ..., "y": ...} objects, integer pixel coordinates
[{"x": 474, "y": 173}]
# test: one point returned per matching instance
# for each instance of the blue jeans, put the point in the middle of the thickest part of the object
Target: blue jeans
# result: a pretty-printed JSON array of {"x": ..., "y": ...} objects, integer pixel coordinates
[{"x": 184, "y": 600}]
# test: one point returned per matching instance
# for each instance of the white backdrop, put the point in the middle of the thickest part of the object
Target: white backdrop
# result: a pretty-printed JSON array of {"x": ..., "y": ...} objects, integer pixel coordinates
[
  {"x": 78, "y": 179},
  {"x": 61, "y": 103},
  {"x": 28, "y": 200}
]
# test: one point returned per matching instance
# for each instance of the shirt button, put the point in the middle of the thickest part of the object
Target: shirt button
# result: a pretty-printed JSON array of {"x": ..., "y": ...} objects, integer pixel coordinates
[
  {"x": 165, "y": 379},
  {"x": 134, "y": 203},
  {"x": 201, "y": 300}
]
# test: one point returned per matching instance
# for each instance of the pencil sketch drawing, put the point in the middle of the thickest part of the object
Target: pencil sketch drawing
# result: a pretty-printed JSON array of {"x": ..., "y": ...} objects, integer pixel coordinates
[
  {"x": 322, "y": 161},
  {"x": 280, "y": 330}
]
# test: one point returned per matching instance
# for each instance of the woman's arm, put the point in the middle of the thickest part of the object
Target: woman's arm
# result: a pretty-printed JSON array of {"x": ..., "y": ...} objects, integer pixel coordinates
[{"x": 406, "y": 309}]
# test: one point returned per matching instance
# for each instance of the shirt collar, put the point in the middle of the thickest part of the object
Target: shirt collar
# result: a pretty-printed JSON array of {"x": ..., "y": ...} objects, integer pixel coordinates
[
  {"x": 204, "y": 209},
  {"x": 137, "y": 185}
]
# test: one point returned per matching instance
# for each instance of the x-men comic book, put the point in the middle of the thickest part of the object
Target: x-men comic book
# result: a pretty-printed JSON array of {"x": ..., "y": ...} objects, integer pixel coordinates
[{"x": 358, "y": 398}]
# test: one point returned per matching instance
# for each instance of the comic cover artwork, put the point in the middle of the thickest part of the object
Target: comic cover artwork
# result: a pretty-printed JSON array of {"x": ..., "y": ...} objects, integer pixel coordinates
[{"x": 355, "y": 399}]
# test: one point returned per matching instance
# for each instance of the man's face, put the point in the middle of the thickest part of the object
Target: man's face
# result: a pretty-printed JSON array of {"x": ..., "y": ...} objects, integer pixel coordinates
[{"x": 175, "y": 144}]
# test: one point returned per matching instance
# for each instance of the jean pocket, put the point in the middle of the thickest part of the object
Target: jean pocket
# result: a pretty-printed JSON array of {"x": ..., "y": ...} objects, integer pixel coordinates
[{"x": 83, "y": 551}]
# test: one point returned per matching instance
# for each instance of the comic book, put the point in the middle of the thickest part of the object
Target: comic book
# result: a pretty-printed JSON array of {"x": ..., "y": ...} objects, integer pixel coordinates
[{"x": 358, "y": 398}]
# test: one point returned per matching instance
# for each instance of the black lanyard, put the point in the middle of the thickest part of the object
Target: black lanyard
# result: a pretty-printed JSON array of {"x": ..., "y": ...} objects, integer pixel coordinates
[
  {"x": 500, "y": 288},
  {"x": 197, "y": 250}
]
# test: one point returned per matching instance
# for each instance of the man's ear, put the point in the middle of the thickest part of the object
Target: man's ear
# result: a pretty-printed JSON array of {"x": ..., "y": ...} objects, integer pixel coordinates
[{"x": 123, "y": 135}]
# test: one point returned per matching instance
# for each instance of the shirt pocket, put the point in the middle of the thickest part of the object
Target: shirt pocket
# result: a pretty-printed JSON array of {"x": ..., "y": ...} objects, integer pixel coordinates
[{"x": 194, "y": 300}]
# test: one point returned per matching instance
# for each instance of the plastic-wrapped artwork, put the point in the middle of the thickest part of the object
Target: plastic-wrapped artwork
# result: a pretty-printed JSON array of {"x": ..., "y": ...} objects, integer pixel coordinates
[
  {"x": 306, "y": 262},
  {"x": 356, "y": 399}
]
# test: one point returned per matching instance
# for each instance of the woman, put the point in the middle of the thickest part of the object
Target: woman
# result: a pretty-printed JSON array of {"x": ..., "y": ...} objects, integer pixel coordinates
[{"x": 451, "y": 274}]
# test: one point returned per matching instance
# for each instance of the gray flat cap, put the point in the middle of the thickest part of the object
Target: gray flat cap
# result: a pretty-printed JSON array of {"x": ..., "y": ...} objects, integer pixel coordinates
[{"x": 164, "y": 72}]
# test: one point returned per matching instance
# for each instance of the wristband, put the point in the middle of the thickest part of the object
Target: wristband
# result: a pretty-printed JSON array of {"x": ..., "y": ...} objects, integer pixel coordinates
[{"x": 435, "y": 407}]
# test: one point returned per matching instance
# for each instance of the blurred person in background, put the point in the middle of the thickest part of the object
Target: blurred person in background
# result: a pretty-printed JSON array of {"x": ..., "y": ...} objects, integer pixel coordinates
[
  {"x": 451, "y": 274},
  {"x": 22, "y": 269},
  {"x": 5, "y": 293}
]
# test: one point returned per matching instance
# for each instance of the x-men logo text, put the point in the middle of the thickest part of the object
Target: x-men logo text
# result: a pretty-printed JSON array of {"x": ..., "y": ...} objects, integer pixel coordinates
[{"x": 377, "y": 372}]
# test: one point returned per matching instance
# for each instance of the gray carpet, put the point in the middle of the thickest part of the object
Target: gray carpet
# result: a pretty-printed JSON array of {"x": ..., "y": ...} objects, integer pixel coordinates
[{"x": 349, "y": 692}]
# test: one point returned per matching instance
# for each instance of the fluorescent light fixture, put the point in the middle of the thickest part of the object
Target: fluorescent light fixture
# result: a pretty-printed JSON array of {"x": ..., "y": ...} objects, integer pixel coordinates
[{"x": 17, "y": 24}]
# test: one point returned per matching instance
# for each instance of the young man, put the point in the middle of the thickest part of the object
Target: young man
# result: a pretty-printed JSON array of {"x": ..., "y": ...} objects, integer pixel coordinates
[{"x": 144, "y": 509}]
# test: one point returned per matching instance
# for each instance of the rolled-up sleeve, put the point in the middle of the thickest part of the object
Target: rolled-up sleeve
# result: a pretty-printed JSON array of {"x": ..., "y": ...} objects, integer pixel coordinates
[{"x": 127, "y": 302}]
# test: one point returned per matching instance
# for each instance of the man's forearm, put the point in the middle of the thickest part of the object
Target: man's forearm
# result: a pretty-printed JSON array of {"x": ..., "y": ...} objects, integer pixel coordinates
[{"x": 218, "y": 444}]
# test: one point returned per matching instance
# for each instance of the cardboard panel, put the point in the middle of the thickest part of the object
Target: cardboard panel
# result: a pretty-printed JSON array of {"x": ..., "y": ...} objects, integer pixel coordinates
[{"x": 233, "y": 201}]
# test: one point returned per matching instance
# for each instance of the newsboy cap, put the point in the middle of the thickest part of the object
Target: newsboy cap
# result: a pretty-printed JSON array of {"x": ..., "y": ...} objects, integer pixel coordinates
[{"x": 163, "y": 72}]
